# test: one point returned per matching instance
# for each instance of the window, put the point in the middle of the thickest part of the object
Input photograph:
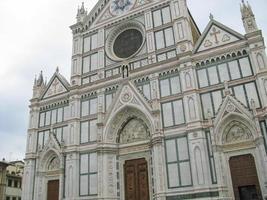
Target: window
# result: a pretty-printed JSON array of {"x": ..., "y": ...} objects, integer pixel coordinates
[
  {"x": 88, "y": 131},
  {"x": 228, "y": 71},
  {"x": 47, "y": 118},
  {"x": 90, "y": 63},
  {"x": 162, "y": 16},
  {"x": 245, "y": 67},
  {"x": 245, "y": 93},
  {"x": 170, "y": 86},
  {"x": 9, "y": 183},
  {"x": 15, "y": 184},
  {"x": 7, "y": 198},
  {"x": 202, "y": 78},
  {"x": 211, "y": 103},
  {"x": 108, "y": 98},
  {"x": 61, "y": 134},
  {"x": 41, "y": 119},
  {"x": 164, "y": 38},
  {"x": 54, "y": 116},
  {"x": 14, "y": 198},
  {"x": 213, "y": 75},
  {"x": 42, "y": 138},
  {"x": 89, "y": 107},
  {"x": 88, "y": 174},
  {"x": 145, "y": 89},
  {"x": 173, "y": 113},
  {"x": 90, "y": 43},
  {"x": 234, "y": 70},
  {"x": 240, "y": 94},
  {"x": 178, "y": 162}
]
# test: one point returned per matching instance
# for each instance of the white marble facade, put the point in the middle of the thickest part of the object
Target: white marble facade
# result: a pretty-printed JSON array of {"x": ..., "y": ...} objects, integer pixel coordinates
[{"x": 186, "y": 102}]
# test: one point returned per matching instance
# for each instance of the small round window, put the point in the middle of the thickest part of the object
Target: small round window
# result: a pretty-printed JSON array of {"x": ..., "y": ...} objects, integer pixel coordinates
[{"x": 127, "y": 43}]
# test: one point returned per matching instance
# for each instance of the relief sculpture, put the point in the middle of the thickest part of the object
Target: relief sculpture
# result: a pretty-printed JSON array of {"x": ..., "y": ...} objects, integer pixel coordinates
[{"x": 134, "y": 131}]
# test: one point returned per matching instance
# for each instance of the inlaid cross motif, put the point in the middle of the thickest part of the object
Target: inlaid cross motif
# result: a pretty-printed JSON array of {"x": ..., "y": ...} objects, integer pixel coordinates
[{"x": 215, "y": 34}]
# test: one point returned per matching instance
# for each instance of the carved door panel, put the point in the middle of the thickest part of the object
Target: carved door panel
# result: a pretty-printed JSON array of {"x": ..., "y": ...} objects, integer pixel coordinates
[
  {"x": 244, "y": 176},
  {"x": 53, "y": 190},
  {"x": 136, "y": 180}
]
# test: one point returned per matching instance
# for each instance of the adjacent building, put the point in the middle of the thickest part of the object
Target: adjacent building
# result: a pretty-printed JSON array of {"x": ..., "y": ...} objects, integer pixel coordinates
[
  {"x": 154, "y": 109},
  {"x": 3, "y": 166},
  {"x": 14, "y": 180}
]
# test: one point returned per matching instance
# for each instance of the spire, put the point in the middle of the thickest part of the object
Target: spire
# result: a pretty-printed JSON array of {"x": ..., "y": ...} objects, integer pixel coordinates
[
  {"x": 81, "y": 13},
  {"x": 40, "y": 80},
  {"x": 248, "y": 17},
  {"x": 211, "y": 16}
]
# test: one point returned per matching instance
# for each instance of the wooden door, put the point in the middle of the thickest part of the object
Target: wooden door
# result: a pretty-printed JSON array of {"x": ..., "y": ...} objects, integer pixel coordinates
[
  {"x": 245, "y": 179},
  {"x": 53, "y": 190},
  {"x": 136, "y": 180}
]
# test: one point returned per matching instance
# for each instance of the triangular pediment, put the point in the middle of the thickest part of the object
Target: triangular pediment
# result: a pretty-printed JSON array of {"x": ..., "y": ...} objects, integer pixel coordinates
[
  {"x": 216, "y": 35},
  {"x": 105, "y": 10},
  {"x": 231, "y": 106},
  {"x": 56, "y": 86},
  {"x": 128, "y": 95}
]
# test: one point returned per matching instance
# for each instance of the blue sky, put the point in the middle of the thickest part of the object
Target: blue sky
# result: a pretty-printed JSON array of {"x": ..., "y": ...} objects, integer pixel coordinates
[{"x": 35, "y": 36}]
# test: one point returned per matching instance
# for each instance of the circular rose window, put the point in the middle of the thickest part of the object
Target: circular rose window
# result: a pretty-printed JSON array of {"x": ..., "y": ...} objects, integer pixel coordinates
[{"x": 127, "y": 43}]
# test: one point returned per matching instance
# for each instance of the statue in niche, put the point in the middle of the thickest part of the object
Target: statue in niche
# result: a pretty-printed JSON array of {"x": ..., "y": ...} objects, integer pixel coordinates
[
  {"x": 237, "y": 132},
  {"x": 134, "y": 131}
]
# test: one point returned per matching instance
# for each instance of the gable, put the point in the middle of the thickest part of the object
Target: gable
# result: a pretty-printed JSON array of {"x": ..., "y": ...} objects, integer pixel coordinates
[
  {"x": 102, "y": 12},
  {"x": 216, "y": 35},
  {"x": 55, "y": 87}
]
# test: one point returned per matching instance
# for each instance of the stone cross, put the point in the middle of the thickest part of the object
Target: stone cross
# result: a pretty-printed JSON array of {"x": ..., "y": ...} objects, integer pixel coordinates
[{"x": 215, "y": 34}]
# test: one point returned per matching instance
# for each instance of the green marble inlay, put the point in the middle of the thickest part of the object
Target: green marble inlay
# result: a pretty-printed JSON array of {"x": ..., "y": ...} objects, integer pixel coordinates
[{"x": 194, "y": 196}]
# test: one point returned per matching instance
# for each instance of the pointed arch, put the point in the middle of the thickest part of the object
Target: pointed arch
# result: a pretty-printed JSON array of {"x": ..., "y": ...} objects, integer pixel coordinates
[
  {"x": 133, "y": 130},
  {"x": 235, "y": 128},
  {"x": 260, "y": 61},
  {"x": 192, "y": 108},
  {"x": 188, "y": 80},
  {"x": 47, "y": 157},
  {"x": 122, "y": 117}
]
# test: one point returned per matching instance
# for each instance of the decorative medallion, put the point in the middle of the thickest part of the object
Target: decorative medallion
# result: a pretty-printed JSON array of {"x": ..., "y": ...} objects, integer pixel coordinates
[
  {"x": 230, "y": 108},
  {"x": 119, "y": 7},
  {"x": 126, "y": 97}
]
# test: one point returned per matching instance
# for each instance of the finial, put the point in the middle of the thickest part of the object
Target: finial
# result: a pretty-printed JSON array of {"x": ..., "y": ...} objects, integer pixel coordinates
[
  {"x": 211, "y": 16},
  {"x": 57, "y": 70},
  {"x": 40, "y": 79}
]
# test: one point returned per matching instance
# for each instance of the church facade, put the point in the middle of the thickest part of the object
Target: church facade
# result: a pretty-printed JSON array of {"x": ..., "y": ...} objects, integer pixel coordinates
[{"x": 154, "y": 109}]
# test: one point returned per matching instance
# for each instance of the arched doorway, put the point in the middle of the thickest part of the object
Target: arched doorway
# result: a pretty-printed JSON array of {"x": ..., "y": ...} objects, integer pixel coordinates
[
  {"x": 53, "y": 179},
  {"x": 245, "y": 178},
  {"x": 130, "y": 133},
  {"x": 242, "y": 164}
]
